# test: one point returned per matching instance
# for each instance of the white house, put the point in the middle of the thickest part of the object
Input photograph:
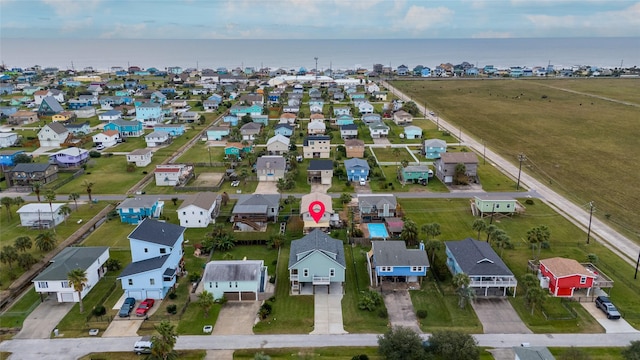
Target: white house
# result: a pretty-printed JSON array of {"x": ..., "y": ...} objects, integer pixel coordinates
[
  {"x": 237, "y": 279},
  {"x": 172, "y": 175},
  {"x": 140, "y": 157},
  {"x": 157, "y": 138},
  {"x": 278, "y": 144},
  {"x": 316, "y": 128},
  {"x": 110, "y": 115},
  {"x": 53, "y": 135},
  {"x": 41, "y": 215},
  {"x": 365, "y": 108},
  {"x": 54, "y": 278},
  {"x": 199, "y": 210},
  {"x": 7, "y": 139},
  {"x": 107, "y": 139}
]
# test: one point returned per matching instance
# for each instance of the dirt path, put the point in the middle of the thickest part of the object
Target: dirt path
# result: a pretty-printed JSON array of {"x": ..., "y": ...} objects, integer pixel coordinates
[
  {"x": 590, "y": 95},
  {"x": 578, "y": 215}
]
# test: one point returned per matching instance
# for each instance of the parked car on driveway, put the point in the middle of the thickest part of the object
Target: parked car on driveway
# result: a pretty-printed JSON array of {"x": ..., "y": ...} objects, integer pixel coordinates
[
  {"x": 127, "y": 306},
  {"x": 144, "y": 307},
  {"x": 603, "y": 303}
]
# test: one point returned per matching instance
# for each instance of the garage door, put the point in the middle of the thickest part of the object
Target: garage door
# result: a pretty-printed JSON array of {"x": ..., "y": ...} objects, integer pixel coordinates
[
  {"x": 448, "y": 179},
  {"x": 135, "y": 294},
  {"x": 154, "y": 294},
  {"x": 67, "y": 297}
]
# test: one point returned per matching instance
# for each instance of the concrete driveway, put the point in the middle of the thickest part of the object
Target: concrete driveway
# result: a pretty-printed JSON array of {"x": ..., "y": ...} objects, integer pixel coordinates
[
  {"x": 400, "y": 309},
  {"x": 498, "y": 316},
  {"x": 327, "y": 312},
  {"x": 41, "y": 322},
  {"x": 267, "y": 187},
  {"x": 237, "y": 318},
  {"x": 610, "y": 326}
]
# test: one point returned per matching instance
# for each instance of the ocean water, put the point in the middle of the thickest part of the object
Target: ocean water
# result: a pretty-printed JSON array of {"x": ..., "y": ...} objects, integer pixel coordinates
[{"x": 102, "y": 54}]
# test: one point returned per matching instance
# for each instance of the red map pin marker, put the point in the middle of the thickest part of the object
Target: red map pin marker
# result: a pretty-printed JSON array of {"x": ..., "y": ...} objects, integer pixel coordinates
[{"x": 316, "y": 215}]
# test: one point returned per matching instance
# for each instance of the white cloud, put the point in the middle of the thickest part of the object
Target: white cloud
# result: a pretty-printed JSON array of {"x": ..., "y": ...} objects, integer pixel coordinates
[
  {"x": 624, "y": 22},
  {"x": 75, "y": 25},
  {"x": 65, "y": 8},
  {"x": 419, "y": 18},
  {"x": 356, "y": 5},
  {"x": 121, "y": 31},
  {"x": 492, "y": 35}
]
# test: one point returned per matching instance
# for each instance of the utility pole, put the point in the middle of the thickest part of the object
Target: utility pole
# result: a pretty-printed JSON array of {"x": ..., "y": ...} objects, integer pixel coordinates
[
  {"x": 590, "y": 216},
  {"x": 316, "y": 70},
  {"x": 521, "y": 158},
  {"x": 484, "y": 152},
  {"x": 635, "y": 276}
]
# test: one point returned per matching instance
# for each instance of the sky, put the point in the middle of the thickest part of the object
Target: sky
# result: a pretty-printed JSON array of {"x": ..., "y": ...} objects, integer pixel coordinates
[{"x": 317, "y": 19}]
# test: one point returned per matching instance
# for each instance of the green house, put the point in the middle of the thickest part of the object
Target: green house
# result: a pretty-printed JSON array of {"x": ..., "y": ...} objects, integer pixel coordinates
[
  {"x": 488, "y": 204},
  {"x": 316, "y": 260},
  {"x": 415, "y": 174}
]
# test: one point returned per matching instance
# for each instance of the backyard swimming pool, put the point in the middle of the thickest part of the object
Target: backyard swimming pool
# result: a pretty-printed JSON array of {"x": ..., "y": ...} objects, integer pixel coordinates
[{"x": 378, "y": 230}]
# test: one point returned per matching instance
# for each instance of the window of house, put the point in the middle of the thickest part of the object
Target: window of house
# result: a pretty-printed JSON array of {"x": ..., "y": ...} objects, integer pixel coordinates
[
  {"x": 65, "y": 284},
  {"x": 236, "y": 284},
  {"x": 230, "y": 283},
  {"x": 508, "y": 206},
  {"x": 201, "y": 213},
  {"x": 152, "y": 281},
  {"x": 583, "y": 280},
  {"x": 497, "y": 206},
  {"x": 332, "y": 272},
  {"x": 184, "y": 213},
  {"x": 163, "y": 250},
  {"x": 186, "y": 221},
  {"x": 130, "y": 281},
  {"x": 216, "y": 284},
  {"x": 146, "y": 250},
  {"x": 305, "y": 272}
]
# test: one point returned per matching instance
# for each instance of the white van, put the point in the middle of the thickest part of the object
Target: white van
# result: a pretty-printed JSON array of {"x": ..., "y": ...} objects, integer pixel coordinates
[{"x": 143, "y": 346}]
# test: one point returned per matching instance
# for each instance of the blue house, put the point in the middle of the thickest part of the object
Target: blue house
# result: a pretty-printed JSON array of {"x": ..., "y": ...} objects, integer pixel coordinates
[
  {"x": 172, "y": 129},
  {"x": 150, "y": 114},
  {"x": 217, "y": 132},
  {"x": 412, "y": 132},
  {"x": 425, "y": 72},
  {"x": 50, "y": 106},
  {"x": 284, "y": 130},
  {"x": 76, "y": 104},
  {"x": 7, "y": 157},
  {"x": 125, "y": 128},
  {"x": 403, "y": 70},
  {"x": 356, "y": 169},
  {"x": 261, "y": 119},
  {"x": 134, "y": 210},
  {"x": 130, "y": 83},
  {"x": 157, "y": 260},
  {"x": 8, "y": 110},
  {"x": 471, "y": 71},
  {"x": 215, "y": 97},
  {"x": 158, "y": 97},
  {"x": 344, "y": 120},
  {"x": 434, "y": 148},
  {"x": 6, "y": 88},
  {"x": 516, "y": 71},
  {"x": 274, "y": 97},
  {"x": 240, "y": 111},
  {"x": 392, "y": 261},
  {"x": 231, "y": 120}
]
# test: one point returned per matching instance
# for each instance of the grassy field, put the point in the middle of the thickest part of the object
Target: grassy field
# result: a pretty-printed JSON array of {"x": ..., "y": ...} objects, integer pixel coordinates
[
  {"x": 182, "y": 354},
  {"x": 331, "y": 353},
  {"x": 595, "y": 353},
  {"x": 580, "y": 145}
]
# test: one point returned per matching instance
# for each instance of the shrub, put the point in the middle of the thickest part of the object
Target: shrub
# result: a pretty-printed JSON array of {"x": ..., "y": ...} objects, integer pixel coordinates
[
  {"x": 99, "y": 310},
  {"x": 272, "y": 279},
  {"x": 421, "y": 314},
  {"x": 173, "y": 295},
  {"x": 529, "y": 202},
  {"x": 382, "y": 313},
  {"x": 194, "y": 277},
  {"x": 265, "y": 310},
  {"x": 94, "y": 154},
  {"x": 272, "y": 299},
  {"x": 369, "y": 300},
  {"x": 145, "y": 172},
  {"x": 113, "y": 264},
  {"x": 360, "y": 357},
  {"x": 172, "y": 309}
]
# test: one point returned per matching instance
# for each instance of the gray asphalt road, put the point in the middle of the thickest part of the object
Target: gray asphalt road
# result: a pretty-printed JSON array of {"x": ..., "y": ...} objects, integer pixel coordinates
[{"x": 59, "y": 349}]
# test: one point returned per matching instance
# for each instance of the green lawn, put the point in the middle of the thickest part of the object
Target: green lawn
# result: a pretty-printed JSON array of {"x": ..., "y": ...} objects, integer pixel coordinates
[
  {"x": 527, "y": 116},
  {"x": 492, "y": 179},
  {"x": 357, "y": 281},
  {"x": 583, "y": 323},
  {"x": 330, "y": 353},
  {"x": 199, "y": 153},
  {"x": 396, "y": 155},
  {"x": 290, "y": 314},
  {"x": 15, "y": 315},
  {"x": 443, "y": 312},
  {"x": 595, "y": 353},
  {"x": 182, "y": 354}
]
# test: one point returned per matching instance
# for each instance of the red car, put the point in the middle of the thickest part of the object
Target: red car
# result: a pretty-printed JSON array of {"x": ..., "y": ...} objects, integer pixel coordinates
[{"x": 144, "y": 307}]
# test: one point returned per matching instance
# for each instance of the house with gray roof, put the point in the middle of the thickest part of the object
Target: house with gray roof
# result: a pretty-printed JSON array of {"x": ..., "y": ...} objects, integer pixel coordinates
[
  {"x": 446, "y": 166},
  {"x": 320, "y": 172},
  {"x": 316, "y": 260},
  {"x": 253, "y": 212},
  {"x": 376, "y": 207},
  {"x": 26, "y": 174},
  {"x": 235, "y": 279},
  {"x": 54, "y": 279},
  {"x": 392, "y": 261},
  {"x": 532, "y": 353},
  {"x": 199, "y": 210},
  {"x": 53, "y": 134},
  {"x": 271, "y": 167},
  {"x": 489, "y": 275},
  {"x": 156, "y": 260}
]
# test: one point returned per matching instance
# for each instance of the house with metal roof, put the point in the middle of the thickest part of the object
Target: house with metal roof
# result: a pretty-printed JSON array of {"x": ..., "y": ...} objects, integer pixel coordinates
[
  {"x": 41, "y": 215},
  {"x": 235, "y": 279},
  {"x": 392, "y": 261},
  {"x": 253, "y": 212},
  {"x": 489, "y": 275},
  {"x": 446, "y": 166},
  {"x": 316, "y": 260},
  {"x": 375, "y": 207},
  {"x": 134, "y": 210},
  {"x": 271, "y": 167},
  {"x": 53, "y": 134},
  {"x": 54, "y": 279},
  {"x": 26, "y": 174},
  {"x": 433, "y": 148},
  {"x": 157, "y": 260}
]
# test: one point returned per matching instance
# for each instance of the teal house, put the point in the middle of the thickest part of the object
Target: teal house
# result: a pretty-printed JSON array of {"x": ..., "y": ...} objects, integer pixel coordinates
[
  {"x": 217, "y": 132},
  {"x": 344, "y": 120},
  {"x": 316, "y": 260},
  {"x": 412, "y": 132},
  {"x": 171, "y": 129},
  {"x": 434, "y": 148},
  {"x": 237, "y": 149},
  {"x": 125, "y": 128},
  {"x": 134, "y": 210},
  {"x": 235, "y": 279},
  {"x": 414, "y": 174},
  {"x": 488, "y": 204},
  {"x": 261, "y": 119}
]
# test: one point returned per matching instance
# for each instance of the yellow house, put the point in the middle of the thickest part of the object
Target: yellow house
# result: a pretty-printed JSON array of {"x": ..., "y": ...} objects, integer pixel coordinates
[{"x": 63, "y": 116}]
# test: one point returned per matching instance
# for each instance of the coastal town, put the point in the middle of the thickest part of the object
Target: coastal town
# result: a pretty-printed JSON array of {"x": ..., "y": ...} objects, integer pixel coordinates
[{"x": 253, "y": 202}]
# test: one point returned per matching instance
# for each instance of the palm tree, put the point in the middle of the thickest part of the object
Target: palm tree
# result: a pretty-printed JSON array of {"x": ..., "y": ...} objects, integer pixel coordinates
[
  {"x": 50, "y": 196},
  {"x": 88, "y": 185},
  {"x": 74, "y": 196},
  {"x": 36, "y": 189},
  {"x": 8, "y": 255},
  {"x": 7, "y": 202},
  {"x": 26, "y": 260},
  {"x": 164, "y": 342},
  {"x": 64, "y": 211},
  {"x": 396, "y": 154},
  {"x": 206, "y": 301},
  {"x": 432, "y": 229},
  {"x": 78, "y": 279},
  {"x": 536, "y": 297},
  {"x": 23, "y": 243},
  {"x": 479, "y": 225},
  {"x": 537, "y": 236},
  {"x": 461, "y": 281},
  {"x": 409, "y": 232},
  {"x": 490, "y": 230},
  {"x": 18, "y": 201},
  {"x": 432, "y": 247},
  {"x": 276, "y": 240},
  {"x": 46, "y": 241}
]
